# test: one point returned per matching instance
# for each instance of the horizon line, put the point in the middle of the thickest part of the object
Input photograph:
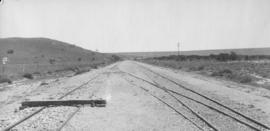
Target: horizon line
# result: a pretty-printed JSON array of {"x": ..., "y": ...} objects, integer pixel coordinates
[
  {"x": 192, "y": 50},
  {"x": 213, "y": 49}
]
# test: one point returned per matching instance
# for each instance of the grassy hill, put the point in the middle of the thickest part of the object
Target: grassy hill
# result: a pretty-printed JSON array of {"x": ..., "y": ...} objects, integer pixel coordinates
[
  {"x": 246, "y": 51},
  {"x": 42, "y": 54}
]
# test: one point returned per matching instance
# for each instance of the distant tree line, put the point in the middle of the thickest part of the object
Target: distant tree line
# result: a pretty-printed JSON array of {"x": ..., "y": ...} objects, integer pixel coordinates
[
  {"x": 116, "y": 58},
  {"x": 232, "y": 56}
]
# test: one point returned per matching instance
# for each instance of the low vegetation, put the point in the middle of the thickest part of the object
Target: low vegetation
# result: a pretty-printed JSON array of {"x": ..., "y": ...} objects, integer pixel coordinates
[
  {"x": 44, "y": 83},
  {"x": 10, "y": 51},
  {"x": 37, "y": 57},
  {"x": 28, "y": 76},
  {"x": 232, "y": 56},
  {"x": 238, "y": 68},
  {"x": 4, "y": 79},
  {"x": 81, "y": 71}
]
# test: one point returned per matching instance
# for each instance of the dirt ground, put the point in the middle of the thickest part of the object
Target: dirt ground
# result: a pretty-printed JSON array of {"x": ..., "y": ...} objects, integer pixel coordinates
[{"x": 133, "y": 104}]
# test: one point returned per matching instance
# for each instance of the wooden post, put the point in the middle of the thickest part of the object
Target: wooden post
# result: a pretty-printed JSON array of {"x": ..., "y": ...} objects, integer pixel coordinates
[
  {"x": 4, "y": 62},
  {"x": 92, "y": 103}
]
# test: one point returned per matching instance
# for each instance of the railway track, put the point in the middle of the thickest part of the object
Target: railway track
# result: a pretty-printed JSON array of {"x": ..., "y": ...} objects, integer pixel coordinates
[
  {"x": 42, "y": 108},
  {"x": 167, "y": 104},
  {"x": 252, "y": 124},
  {"x": 68, "y": 119},
  {"x": 211, "y": 126},
  {"x": 251, "y": 120},
  {"x": 186, "y": 100},
  {"x": 73, "y": 114},
  {"x": 210, "y": 107}
]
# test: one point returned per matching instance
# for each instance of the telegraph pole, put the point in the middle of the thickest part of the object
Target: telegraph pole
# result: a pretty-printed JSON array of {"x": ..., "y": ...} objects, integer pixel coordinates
[{"x": 178, "y": 46}]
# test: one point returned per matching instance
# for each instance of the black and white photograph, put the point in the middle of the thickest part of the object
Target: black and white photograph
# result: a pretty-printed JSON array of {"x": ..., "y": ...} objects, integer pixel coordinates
[{"x": 134, "y": 65}]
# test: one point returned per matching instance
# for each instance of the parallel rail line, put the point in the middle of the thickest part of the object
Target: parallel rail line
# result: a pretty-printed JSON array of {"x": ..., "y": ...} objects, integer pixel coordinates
[
  {"x": 76, "y": 111},
  {"x": 185, "y": 105},
  {"x": 210, "y": 125},
  {"x": 42, "y": 108},
  {"x": 212, "y": 100},
  {"x": 210, "y": 107},
  {"x": 72, "y": 115},
  {"x": 68, "y": 119},
  {"x": 159, "y": 99}
]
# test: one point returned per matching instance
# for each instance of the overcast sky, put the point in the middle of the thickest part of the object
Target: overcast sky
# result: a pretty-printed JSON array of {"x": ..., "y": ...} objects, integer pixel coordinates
[{"x": 141, "y": 25}]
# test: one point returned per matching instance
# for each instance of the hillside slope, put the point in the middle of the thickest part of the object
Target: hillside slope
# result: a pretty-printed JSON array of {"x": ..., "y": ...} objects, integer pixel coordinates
[
  {"x": 30, "y": 50},
  {"x": 246, "y": 51},
  {"x": 42, "y": 54}
]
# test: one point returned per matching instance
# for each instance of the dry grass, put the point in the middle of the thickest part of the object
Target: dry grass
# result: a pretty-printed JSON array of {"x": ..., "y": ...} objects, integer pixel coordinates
[
  {"x": 238, "y": 71},
  {"x": 42, "y": 55}
]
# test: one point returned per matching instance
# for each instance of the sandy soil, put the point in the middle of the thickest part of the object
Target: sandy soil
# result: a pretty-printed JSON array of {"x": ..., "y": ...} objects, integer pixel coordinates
[{"x": 132, "y": 104}]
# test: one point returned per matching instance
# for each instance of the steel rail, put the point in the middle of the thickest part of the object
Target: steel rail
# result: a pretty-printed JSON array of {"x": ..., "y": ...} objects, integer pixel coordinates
[
  {"x": 214, "y": 101},
  {"x": 213, "y": 108},
  {"x": 185, "y": 117},
  {"x": 185, "y": 105},
  {"x": 39, "y": 110}
]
